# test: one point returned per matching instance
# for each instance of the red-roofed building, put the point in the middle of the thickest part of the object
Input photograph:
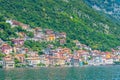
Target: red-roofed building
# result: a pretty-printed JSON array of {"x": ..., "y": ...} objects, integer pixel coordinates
[
  {"x": 8, "y": 62},
  {"x": 20, "y": 57},
  {"x": 6, "y": 49},
  {"x": 18, "y": 42},
  {"x": 51, "y": 37},
  {"x": 62, "y": 41},
  {"x": 48, "y": 31}
]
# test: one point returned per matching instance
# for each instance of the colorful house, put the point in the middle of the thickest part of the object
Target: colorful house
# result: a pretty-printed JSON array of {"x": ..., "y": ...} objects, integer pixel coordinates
[
  {"x": 6, "y": 49},
  {"x": 96, "y": 60},
  {"x": 51, "y": 37},
  {"x": 44, "y": 60},
  {"x": 20, "y": 57},
  {"x": 33, "y": 61},
  {"x": 61, "y": 61},
  {"x": 8, "y": 62},
  {"x": 62, "y": 41},
  {"x": 75, "y": 61},
  {"x": 18, "y": 42},
  {"x": 21, "y": 34}
]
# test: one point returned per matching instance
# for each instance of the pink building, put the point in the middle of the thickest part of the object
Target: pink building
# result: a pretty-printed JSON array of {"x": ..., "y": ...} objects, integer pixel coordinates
[
  {"x": 18, "y": 42},
  {"x": 6, "y": 49}
]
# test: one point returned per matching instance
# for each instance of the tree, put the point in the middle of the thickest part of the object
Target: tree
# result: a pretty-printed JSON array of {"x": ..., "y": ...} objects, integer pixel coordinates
[
  {"x": 30, "y": 34},
  {"x": 16, "y": 61},
  {"x": 1, "y": 56},
  {"x": 2, "y": 19},
  {"x": 40, "y": 53}
]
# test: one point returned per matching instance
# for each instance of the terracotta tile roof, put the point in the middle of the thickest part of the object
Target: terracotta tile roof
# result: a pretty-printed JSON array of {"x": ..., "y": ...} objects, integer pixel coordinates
[
  {"x": 33, "y": 58},
  {"x": 14, "y": 22},
  {"x": 20, "y": 55},
  {"x": 8, "y": 58},
  {"x": 63, "y": 33},
  {"x": 51, "y": 35},
  {"x": 5, "y": 46}
]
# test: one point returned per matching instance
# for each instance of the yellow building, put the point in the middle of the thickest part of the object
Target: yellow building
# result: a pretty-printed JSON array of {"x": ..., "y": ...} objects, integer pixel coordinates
[
  {"x": 108, "y": 55},
  {"x": 51, "y": 37}
]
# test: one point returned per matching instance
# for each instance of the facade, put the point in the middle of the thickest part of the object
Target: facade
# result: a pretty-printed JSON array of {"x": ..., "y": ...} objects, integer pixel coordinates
[
  {"x": 51, "y": 37},
  {"x": 49, "y": 31},
  {"x": 62, "y": 41},
  {"x": 8, "y": 62},
  {"x": 109, "y": 61},
  {"x": 18, "y": 42},
  {"x": 20, "y": 57},
  {"x": 33, "y": 61},
  {"x": 6, "y": 49}
]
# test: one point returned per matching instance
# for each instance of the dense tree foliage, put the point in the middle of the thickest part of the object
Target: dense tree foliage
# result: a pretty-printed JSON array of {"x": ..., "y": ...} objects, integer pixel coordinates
[
  {"x": 39, "y": 46},
  {"x": 74, "y": 17},
  {"x": 1, "y": 55},
  {"x": 110, "y": 7},
  {"x": 30, "y": 34},
  {"x": 6, "y": 31}
]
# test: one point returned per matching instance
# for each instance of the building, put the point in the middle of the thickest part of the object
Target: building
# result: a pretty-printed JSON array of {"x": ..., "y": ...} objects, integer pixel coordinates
[
  {"x": 18, "y": 42},
  {"x": 22, "y": 34},
  {"x": 75, "y": 61},
  {"x": 51, "y": 37},
  {"x": 20, "y": 57},
  {"x": 49, "y": 31},
  {"x": 6, "y": 49},
  {"x": 33, "y": 61},
  {"x": 8, "y": 62},
  {"x": 14, "y": 23},
  {"x": 62, "y": 35},
  {"x": 44, "y": 60},
  {"x": 62, "y": 41}
]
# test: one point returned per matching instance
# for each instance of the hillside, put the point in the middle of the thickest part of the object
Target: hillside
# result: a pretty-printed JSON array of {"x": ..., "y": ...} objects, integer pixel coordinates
[
  {"x": 110, "y": 7},
  {"x": 75, "y": 18}
]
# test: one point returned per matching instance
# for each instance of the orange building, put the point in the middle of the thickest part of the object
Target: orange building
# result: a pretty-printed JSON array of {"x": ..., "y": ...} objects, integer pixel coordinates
[{"x": 51, "y": 37}]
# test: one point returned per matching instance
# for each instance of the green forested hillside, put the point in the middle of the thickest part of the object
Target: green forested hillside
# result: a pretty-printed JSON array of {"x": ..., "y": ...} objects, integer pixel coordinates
[
  {"x": 7, "y": 32},
  {"x": 74, "y": 17},
  {"x": 110, "y": 7}
]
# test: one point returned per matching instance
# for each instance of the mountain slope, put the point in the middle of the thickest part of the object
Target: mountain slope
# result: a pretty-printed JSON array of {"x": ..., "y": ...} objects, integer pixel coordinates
[
  {"x": 75, "y": 18},
  {"x": 110, "y": 7}
]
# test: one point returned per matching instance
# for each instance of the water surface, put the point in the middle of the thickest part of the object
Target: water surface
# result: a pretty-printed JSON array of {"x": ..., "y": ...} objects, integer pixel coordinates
[{"x": 72, "y": 73}]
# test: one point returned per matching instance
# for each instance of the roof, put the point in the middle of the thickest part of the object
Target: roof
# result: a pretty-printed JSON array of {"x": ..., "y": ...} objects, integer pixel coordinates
[
  {"x": 54, "y": 57},
  {"x": 17, "y": 40},
  {"x": 51, "y": 35},
  {"x": 8, "y": 58},
  {"x": 62, "y": 33},
  {"x": 33, "y": 58},
  {"x": 20, "y": 55},
  {"x": 81, "y": 51},
  {"x": 14, "y": 22},
  {"x": 6, "y": 46}
]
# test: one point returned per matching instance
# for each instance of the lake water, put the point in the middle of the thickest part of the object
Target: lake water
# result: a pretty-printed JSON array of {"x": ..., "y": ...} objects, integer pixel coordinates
[{"x": 71, "y": 73}]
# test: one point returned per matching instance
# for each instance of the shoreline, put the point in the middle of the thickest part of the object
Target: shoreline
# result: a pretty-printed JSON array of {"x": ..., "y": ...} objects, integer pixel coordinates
[{"x": 106, "y": 65}]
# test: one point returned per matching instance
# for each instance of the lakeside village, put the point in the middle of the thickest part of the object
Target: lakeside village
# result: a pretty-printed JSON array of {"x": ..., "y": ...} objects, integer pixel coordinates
[{"x": 20, "y": 56}]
